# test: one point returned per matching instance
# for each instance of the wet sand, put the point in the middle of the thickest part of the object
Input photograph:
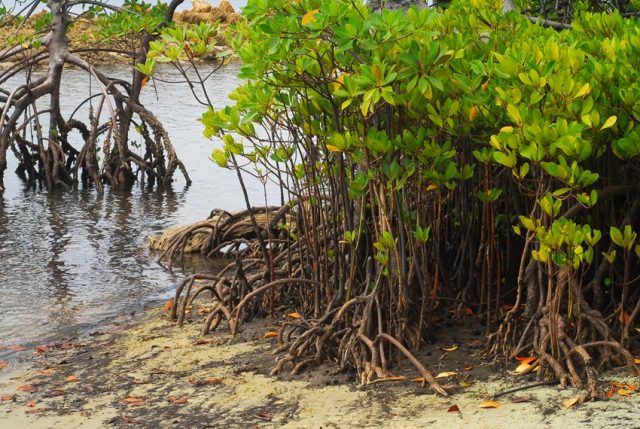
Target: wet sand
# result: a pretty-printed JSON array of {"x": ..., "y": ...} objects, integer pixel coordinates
[{"x": 153, "y": 374}]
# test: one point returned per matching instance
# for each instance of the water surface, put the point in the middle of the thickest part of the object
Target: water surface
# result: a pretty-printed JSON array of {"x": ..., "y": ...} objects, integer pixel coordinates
[{"x": 69, "y": 260}]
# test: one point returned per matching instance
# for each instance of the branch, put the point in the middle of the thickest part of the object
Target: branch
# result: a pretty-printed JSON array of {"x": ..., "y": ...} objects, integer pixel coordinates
[
  {"x": 98, "y": 3},
  {"x": 547, "y": 23}
]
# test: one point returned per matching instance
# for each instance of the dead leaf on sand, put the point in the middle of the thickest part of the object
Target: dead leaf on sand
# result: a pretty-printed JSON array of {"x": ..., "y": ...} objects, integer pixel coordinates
[
  {"x": 72, "y": 379},
  {"x": 3, "y": 364},
  {"x": 48, "y": 371},
  {"x": 490, "y": 404},
  {"x": 265, "y": 416},
  {"x": 446, "y": 374},
  {"x": 520, "y": 399},
  {"x": 453, "y": 409},
  {"x": 6, "y": 397},
  {"x": 26, "y": 388},
  {"x": 568, "y": 403},
  {"x": 31, "y": 404},
  {"x": 135, "y": 401},
  {"x": 41, "y": 349},
  {"x": 178, "y": 401},
  {"x": 204, "y": 381}
]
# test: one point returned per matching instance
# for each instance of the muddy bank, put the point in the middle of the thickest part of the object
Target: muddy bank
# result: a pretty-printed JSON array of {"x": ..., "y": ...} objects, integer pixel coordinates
[{"x": 155, "y": 375}]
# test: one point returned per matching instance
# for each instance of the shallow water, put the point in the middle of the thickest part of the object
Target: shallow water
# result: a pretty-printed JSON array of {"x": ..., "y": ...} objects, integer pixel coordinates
[{"x": 69, "y": 260}]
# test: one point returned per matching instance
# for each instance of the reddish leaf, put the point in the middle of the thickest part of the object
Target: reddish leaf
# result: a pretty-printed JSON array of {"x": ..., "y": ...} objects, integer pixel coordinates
[
  {"x": 6, "y": 397},
  {"x": 72, "y": 379},
  {"x": 453, "y": 409},
  {"x": 31, "y": 404},
  {"x": 201, "y": 341},
  {"x": 41, "y": 349},
  {"x": 526, "y": 359},
  {"x": 265, "y": 416},
  {"x": 3, "y": 364},
  {"x": 136, "y": 401},
  {"x": 520, "y": 399},
  {"x": 167, "y": 305},
  {"x": 271, "y": 334},
  {"x": 26, "y": 388}
]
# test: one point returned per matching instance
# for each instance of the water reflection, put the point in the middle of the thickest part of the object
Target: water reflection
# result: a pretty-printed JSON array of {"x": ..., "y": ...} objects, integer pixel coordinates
[{"x": 71, "y": 259}]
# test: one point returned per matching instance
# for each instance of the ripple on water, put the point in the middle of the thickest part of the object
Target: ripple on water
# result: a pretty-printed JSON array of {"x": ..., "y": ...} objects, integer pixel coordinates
[{"x": 71, "y": 259}]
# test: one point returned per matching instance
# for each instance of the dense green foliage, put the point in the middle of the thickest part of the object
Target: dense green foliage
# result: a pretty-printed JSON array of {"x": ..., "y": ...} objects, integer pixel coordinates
[{"x": 459, "y": 154}]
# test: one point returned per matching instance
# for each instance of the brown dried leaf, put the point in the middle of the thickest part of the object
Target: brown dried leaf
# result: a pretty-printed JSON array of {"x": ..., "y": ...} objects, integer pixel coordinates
[
  {"x": 167, "y": 305},
  {"x": 392, "y": 378},
  {"x": 453, "y": 409},
  {"x": 3, "y": 364},
  {"x": 568, "y": 403},
  {"x": 463, "y": 383},
  {"x": 520, "y": 399},
  {"x": 72, "y": 379},
  {"x": 490, "y": 404},
  {"x": 6, "y": 397},
  {"x": 453, "y": 348},
  {"x": 611, "y": 391},
  {"x": 48, "y": 371},
  {"x": 26, "y": 388},
  {"x": 42, "y": 348},
  {"x": 271, "y": 334},
  {"x": 524, "y": 368},
  {"x": 201, "y": 341},
  {"x": 468, "y": 367},
  {"x": 294, "y": 315},
  {"x": 37, "y": 410},
  {"x": 178, "y": 401},
  {"x": 31, "y": 404}
]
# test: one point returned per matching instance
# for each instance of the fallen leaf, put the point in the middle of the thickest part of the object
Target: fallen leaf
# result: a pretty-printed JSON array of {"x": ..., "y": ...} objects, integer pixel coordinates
[
  {"x": 178, "y": 401},
  {"x": 453, "y": 348},
  {"x": 611, "y": 391},
  {"x": 463, "y": 383},
  {"x": 37, "y": 410},
  {"x": 201, "y": 341},
  {"x": 59, "y": 391},
  {"x": 520, "y": 399},
  {"x": 624, "y": 392},
  {"x": 468, "y": 367},
  {"x": 3, "y": 364},
  {"x": 139, "y": 381},
  {"x": 524, "y": 368},
  {"x": 167, "y": 305},
  {"x": 271, "y": 334},
  {"x": 419, "y": 380},
  {"x": 166, "y": 346},
  {"x": 159, "y": 371},
  {"x": 6, "y": 397},
  {"x": 205, "y": 381},
  {"x": 41, "y": 349},
  {"x": 568, "y": 403},
  {"x": 48, "y": 371},
  {"x": 526, "y": 359},
  {"x": 489, "y": 404},
  {"x": 265, "y": 416},
  {"x": 204, "y": 310},
  {"x": 637, "y": 360},
  {"x": 72, "y": 379},
  {"x": 453, "y": 409},
  {"x": 632, "y": 387},
  {"x": 446, "y": 374},
  {"x": 624, "y": 317},
  {"x": 31, "y": 404},
  {"x": 294, "y": 315},
  {"x": 26, "y": 388}
]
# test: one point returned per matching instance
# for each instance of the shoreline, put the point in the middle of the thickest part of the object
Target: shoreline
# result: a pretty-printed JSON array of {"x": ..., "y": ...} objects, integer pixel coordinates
[{"x": 151, "y": 373}]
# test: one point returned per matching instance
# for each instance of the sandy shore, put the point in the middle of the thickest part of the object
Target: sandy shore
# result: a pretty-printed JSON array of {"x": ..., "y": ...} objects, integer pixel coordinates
[{"x": 156, "y": 375}]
